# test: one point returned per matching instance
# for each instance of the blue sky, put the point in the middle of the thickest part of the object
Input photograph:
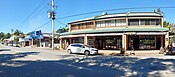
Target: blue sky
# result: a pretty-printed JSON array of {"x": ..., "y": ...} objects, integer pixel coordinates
[{"x": 14, "y": 12}]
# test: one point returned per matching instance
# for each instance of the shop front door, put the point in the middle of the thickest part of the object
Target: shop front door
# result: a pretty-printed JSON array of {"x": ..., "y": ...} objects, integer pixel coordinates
[{"x": 136, "y": 42}]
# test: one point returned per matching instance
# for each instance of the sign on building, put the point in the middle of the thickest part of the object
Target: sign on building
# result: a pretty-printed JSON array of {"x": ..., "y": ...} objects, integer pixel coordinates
[{"x": 36, "y": 35}]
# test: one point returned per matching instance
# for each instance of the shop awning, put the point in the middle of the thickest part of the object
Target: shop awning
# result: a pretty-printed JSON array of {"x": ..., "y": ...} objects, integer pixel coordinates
[
  {"x": 108, "y": 30},
  {"x": 145, "y": 33},
  {"x": 68, "y": 36},
  {"x": 105, "y": 34},
  {"x": 82, "y": 35},
  {"x": 115, "y": 34}
]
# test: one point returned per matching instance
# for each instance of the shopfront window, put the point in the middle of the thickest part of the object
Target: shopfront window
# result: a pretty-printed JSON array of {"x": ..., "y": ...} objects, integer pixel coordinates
[
  {"x": 78, "y": 40},
  {"x": 109, "y": 43},
  {"x": 144, "y": 42},
  {"x": 90, "y": 41},
  {"x": 147, "y": 42}
]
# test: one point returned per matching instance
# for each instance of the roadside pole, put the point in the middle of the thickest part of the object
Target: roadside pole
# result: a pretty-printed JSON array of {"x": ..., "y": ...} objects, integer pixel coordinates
[
  {"x": 32, "y": 42},
  {"x": 51, "y": 14},
  {"x": 40, "y": 43},
  {"x": 53, "y": 17}
]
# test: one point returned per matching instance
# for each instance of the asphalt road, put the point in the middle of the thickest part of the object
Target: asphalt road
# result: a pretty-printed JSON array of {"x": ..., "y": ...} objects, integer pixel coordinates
[{"x": 41, "y": 62}]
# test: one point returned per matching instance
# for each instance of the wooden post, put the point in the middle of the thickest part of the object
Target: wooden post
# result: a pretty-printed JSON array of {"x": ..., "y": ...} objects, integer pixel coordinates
[
  {"x": 124, "y": 41},
  {"x": 85, "y": 40},
  {"x": 167, "y": 39}
]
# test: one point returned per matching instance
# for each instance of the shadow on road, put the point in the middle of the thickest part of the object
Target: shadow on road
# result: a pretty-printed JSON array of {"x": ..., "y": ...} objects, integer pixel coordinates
[
  {"x": 100, "y": 66},
  {"x": 5, "y": 50}
]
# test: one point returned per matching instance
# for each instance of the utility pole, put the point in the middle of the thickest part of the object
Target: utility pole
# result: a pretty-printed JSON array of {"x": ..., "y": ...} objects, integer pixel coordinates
[
  {"x": 51, "y": 14},
  {"x": 53, "y": 17}
]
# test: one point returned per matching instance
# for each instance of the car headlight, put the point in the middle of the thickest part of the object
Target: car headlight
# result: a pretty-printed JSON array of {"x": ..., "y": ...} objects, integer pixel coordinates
[{"x": 93, "y": 49}]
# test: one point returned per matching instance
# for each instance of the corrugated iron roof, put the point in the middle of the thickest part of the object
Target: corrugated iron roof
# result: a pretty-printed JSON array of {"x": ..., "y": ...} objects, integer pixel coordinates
[{"x": 115, "y": 15}]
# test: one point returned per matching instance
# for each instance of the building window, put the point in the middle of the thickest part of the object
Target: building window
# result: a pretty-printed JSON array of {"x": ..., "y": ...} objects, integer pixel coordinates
[
  {"x": 150, "y": 21},
  {"x": 157, "y": 21},
  {"x": 153, "y": 22},
  {"x": 82, "y": 26},
  {"x": 78, "y": 26},
  {"x": 133, "y": 22},
  {"x": 147, "y": 22},
  {"x": 98, "y": 24},
  {"x": 107, "y": 23},
  {"x": 89, "y": 25},
  {"x": 102, "y": 23},
  {"x": 73, "y": 27},
  {"x": 142, "y": 22},
  {"x": 120, "y": 22},
  {"x": 110, "y": 23}
]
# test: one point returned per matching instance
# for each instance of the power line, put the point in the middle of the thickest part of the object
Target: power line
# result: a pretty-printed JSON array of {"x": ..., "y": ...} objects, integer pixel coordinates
[
  {"x": 110, "y": 10},
  {"x": 42, "y": 25},
  {"x": 60, "y": 22},
  {"x": 31, "y": 14},
  {"x": 40, "y": 10}
]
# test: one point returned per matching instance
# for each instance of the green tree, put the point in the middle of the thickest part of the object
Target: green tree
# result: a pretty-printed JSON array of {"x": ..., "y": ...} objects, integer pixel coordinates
[
  {"x": 22, "y": 36},
  {"x": 1, "y": 35},
  {"x": 62, "y": 30},
  {"x": 16, "y": 39},
  {"x": 66, "y": 29},
  {"x": 8, "y": 35},
  {"x": 167, "y": 25},
  {"x": 58, "y": 31},
  {"x": 28, "y": 33},
  {"x": 18, "y": 32}
]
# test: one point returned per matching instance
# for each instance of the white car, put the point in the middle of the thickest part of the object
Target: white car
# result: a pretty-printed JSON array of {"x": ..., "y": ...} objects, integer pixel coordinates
[
  {"x": 10, "y": 44},
  {"x": 81, "y": 48},
  {"x": 15, "y": 45}
]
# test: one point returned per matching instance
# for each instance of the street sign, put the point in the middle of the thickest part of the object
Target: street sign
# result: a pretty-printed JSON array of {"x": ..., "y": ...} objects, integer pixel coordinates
[{"x": 36, "y": 35}]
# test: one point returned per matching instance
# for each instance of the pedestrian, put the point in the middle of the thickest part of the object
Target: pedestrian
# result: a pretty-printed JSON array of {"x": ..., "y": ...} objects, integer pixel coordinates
[
  {"x": 168, "y": 47},
  {"x": 171, "y": 47},
  {"x": 132, "y": 51},
  {"x": 161, "y": 50}
]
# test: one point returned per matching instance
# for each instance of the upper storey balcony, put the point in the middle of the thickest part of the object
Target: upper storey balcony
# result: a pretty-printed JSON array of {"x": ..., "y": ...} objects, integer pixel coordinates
[{"x": 120, "y": 20}]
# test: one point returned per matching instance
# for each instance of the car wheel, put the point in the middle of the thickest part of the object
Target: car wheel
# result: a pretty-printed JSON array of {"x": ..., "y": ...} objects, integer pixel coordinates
[
  {"x": 69, "y": 51},
  {"x": 86, "y": 53}
]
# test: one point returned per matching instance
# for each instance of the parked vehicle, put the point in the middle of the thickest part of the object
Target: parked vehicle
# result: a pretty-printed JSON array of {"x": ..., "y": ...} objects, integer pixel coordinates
[
  {"x": 81, "y": 48},
  {"x": 10, "y": 44},
  {"x": 15, "y": 45},
  {"x": 2, "y": 43},
  {"x": 172, "y": 52},
  {"x": 57, "y": 46}
]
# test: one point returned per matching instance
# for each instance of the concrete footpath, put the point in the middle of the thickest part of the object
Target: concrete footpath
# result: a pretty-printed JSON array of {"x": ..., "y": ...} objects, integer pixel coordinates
[
  {"x": 137, "y": 52},
  {"x": 108, "y": 52}
]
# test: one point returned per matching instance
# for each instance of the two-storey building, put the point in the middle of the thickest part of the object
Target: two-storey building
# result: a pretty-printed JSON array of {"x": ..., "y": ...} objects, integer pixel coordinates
[{"x": 140, "y": 30}]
